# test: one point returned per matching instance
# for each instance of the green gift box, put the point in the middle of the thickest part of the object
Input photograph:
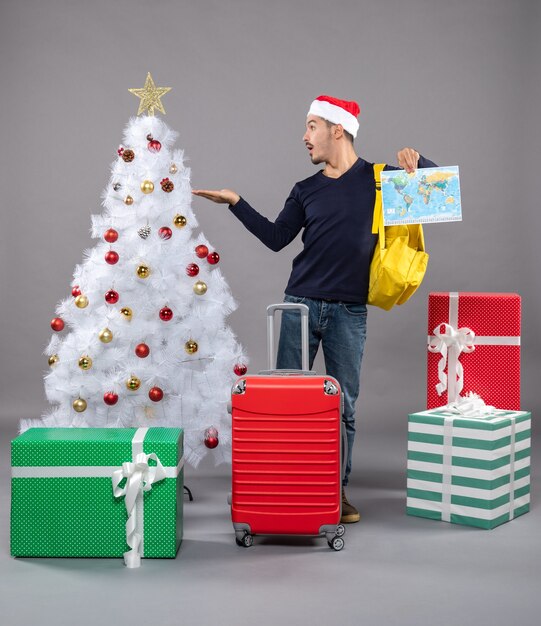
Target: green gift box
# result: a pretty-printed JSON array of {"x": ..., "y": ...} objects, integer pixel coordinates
[
  {"x": 469, "y": 470},
  {"x": 95, "y": 492}
]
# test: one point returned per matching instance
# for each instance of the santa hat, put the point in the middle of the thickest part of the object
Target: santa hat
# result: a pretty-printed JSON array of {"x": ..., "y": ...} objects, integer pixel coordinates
[{"x": 337, "y": 112}]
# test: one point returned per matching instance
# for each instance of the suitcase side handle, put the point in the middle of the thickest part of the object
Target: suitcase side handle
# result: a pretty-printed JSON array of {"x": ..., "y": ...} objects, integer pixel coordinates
[
  {"x": 287, "y": 306},
  {"x": 344, "y": 449}
]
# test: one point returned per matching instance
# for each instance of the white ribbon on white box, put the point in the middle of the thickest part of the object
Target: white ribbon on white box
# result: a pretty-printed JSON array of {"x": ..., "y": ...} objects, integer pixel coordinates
[
  {"x": 471, "y": 406},
  {"x": 451, "y": 342}
]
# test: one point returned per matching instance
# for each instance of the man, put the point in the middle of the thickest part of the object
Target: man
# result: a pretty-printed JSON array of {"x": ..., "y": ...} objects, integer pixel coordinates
[{"x": 335, "y": 208}]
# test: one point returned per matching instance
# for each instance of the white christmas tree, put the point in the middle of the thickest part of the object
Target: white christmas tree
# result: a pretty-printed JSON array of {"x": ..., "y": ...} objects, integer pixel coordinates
[{"x": 142, "y": 341}]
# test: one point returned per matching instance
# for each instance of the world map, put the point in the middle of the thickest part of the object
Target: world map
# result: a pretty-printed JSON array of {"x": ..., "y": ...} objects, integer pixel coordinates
[{"x": 424, "y": 196}]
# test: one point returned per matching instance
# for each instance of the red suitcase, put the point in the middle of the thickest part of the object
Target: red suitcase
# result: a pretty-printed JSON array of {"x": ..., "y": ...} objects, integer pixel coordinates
[{"x": 287, "y": 440}]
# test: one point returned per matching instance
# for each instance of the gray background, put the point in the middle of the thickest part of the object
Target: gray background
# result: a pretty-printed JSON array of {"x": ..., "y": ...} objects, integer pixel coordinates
[{"x": 458, "y": 80}]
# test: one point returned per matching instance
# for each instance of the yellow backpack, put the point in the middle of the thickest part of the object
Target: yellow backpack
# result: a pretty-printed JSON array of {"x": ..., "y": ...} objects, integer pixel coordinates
[{"x": 399, "y": 262}]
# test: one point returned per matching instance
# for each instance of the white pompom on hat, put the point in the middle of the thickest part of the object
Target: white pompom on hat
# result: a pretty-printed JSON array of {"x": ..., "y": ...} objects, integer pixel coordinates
[{"x": 337, "y": 111}]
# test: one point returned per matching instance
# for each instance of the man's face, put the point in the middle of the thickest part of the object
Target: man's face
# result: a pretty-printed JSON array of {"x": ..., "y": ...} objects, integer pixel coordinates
[{"x": 318, "y": 139}]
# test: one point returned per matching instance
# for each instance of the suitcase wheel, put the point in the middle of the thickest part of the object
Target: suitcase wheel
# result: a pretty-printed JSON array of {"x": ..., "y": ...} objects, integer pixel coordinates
[
  {"x": 246, "y": 542},
  {"x": 340, "y": 530},
  {"x": 337, "y": 543}
]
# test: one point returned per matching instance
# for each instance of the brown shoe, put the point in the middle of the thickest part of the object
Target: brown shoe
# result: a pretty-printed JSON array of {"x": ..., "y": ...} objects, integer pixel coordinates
[{"x": 350, "y": 515}]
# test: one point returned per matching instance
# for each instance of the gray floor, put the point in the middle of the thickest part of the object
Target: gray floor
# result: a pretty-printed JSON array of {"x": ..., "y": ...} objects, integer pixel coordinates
[{"x": 394, "y": 569}]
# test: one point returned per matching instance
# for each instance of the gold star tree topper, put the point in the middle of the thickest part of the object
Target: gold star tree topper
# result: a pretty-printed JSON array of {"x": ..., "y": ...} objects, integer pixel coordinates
[{"x": 150, "y": 96}]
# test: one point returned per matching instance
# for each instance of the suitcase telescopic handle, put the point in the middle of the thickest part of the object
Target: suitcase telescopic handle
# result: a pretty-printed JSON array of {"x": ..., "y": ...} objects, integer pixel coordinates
[{"x": 288, "y": 306}]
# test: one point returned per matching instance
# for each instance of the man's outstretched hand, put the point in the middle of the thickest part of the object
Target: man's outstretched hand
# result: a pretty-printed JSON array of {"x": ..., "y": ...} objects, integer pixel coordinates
[
  {"x": 222, "y": 196},
  {"x": 408, "y": 158}
]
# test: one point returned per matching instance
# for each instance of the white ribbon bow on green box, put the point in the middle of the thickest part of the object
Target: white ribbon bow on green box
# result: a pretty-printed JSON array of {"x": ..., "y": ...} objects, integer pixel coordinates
[{"x": 140, "y": 476}]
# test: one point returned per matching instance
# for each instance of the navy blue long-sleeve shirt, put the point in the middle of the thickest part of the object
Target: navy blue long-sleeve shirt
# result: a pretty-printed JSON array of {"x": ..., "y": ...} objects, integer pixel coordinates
[{"x": 336, "y": 215}]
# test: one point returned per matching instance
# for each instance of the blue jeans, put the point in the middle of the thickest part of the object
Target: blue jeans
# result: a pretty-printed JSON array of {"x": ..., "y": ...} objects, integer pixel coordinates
[{"x": 341, "y": 329}]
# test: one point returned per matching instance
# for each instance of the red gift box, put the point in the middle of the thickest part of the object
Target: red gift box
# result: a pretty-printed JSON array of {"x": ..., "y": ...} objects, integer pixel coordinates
[{"x": 476, "y": 337}]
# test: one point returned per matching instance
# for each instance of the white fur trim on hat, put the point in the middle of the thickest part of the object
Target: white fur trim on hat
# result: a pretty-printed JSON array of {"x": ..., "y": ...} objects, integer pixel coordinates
[{"x": 335, "y": 115}]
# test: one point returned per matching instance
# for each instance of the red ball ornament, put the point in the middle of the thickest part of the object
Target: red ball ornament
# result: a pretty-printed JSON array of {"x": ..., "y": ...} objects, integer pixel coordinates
[
  {"x": 155, "y": 394},
  {"x": 111, "y": 257},
  {"x": 142, "y": 350},
  {"x": 201, "y": 251},
  {"x": 166, "y": 314},
  {"x": 110, "y": 398},
  {"x": 240, "y": 369},
  {"x": 213, "y": 258},
  {"x": 192, "y": 269},
  {"x": 154, "y": 145},
  {"x": 111, "y": 296},
  {"x": 165, "y": 232},
  {"x": 76, "y": 291},
  {"x": 57, "y": 324},
  {"x": 110, "y": 235},
  {"x": 211, "y": 437}
]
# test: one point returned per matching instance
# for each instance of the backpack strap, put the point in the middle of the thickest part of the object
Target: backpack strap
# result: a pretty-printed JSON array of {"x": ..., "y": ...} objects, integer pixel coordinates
[
  {"x": 377, "y": 220},
  {"x": 416, "y": 237}
]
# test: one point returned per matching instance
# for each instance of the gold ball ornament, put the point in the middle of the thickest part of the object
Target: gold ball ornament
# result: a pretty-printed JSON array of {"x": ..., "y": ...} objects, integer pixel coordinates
[
  {"x": 79, "y": 405},
  {"x": 133, "y": 383},
  {"x": 173, "y": 169},
  {"x": 200, "y": 288},
  {"x": 128, "y": 200},
  {"x": 85, "y": 362},
  {"x": 147, "y": 186},
  {"x": 143, "y": 271},
  {"x": 81, "y": 302},
  {"x": 105, "y": 335},
  {"x": 126, "y": 312},
  {"x": 53, "y": 359},
  {"x": 179, "y": 221},
  {"x": 191, "y": 346}
]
